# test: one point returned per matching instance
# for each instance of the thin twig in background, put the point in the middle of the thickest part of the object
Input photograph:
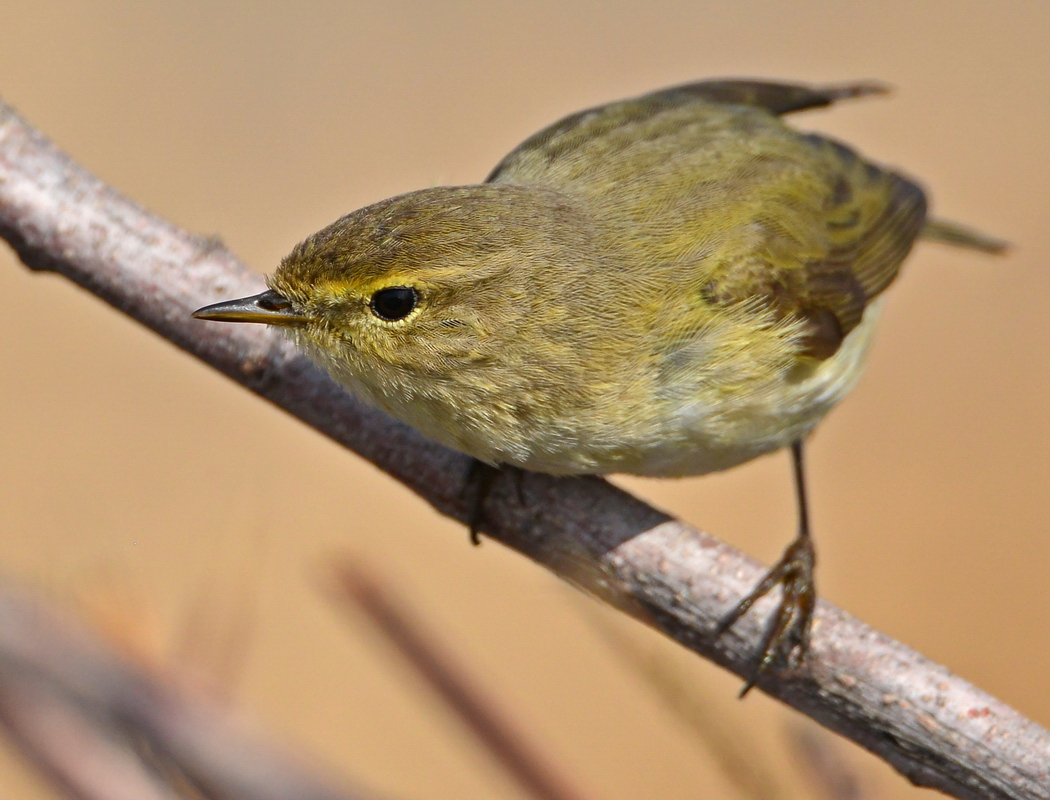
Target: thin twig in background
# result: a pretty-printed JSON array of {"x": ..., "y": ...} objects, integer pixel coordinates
[
  {"x": 104, "y": 727},
  {"x": 491, "y": 728},
  {"x": 747, "y": 768},
  {"x": 732, "y": 751},
  {"x": 935, "y": 728},
  {"x": 213, "y": 645}
]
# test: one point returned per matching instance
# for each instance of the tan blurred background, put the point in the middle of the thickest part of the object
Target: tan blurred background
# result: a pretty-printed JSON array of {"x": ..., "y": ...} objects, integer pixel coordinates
[{"x": 131, "y": 472}]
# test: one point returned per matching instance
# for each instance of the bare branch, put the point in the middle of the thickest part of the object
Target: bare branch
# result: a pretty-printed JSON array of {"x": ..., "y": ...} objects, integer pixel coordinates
[
  {"x": 935, "y": 728},
  {"x": 78, "y": 755},
  {"x": 105, "y": 728}
]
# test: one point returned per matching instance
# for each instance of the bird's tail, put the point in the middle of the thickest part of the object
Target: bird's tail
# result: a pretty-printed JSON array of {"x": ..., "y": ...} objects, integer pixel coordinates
[{"x": 941, "y": 230}]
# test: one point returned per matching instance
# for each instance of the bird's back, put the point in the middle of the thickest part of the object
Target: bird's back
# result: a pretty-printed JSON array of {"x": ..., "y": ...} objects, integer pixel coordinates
[{"x": 740, "y": 207}]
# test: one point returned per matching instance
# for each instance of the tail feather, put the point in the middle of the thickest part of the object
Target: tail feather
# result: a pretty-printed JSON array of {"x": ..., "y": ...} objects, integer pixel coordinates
[{"x": 940, "y": 230}]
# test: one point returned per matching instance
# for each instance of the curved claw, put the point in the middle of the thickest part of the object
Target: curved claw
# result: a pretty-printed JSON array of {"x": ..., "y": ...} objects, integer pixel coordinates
[{"x": 786, "y": 638}]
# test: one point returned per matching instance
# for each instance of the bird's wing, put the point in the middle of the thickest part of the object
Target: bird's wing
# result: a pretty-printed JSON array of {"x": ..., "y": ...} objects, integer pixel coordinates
[
  {"x": 748, "y": 210},
  {"x": 867, "y": 223},
  {"x": 776, "y": 98}
]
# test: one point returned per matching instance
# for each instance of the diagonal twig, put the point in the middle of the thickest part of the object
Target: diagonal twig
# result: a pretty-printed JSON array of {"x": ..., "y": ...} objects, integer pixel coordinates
[
  {"x": 935, "y": 728},
  {"x": 490, "y": 728},
  {"x": 734, "y": 753}
]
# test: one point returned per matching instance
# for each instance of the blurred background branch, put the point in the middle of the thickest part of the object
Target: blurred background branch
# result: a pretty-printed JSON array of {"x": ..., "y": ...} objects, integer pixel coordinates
[
  {"x": 103, "y": 721},
  {"x": 365, "y": 593},
  {"x": 935, "y": 728},
  {"x": 103, "y": 726}
]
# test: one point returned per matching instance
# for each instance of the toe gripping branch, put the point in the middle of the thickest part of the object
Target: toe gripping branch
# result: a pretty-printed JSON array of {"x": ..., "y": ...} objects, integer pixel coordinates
[{"x": 786, "y": 637}]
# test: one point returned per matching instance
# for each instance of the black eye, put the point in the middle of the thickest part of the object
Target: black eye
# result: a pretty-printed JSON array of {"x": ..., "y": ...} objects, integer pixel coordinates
[{"x": 394, "y": 303}]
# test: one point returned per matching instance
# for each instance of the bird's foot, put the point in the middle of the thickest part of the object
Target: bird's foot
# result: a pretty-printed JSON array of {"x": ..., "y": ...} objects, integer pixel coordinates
[
  {"x": 480, "y": 477},
  {"x": 786, "y": 638}
]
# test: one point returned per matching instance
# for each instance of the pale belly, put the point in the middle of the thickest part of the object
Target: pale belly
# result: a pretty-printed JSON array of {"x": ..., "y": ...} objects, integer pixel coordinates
[
  {"x": 694, "y": 439},
  {"x": 698, "y": 440}
]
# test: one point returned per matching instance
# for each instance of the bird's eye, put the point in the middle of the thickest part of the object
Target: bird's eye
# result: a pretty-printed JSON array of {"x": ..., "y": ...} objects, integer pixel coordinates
[{"x": 394, "y": 302}]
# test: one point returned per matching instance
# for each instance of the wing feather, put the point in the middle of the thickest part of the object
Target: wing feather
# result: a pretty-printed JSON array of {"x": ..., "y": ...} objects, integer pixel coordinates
[{"x": 794, "y": 224}]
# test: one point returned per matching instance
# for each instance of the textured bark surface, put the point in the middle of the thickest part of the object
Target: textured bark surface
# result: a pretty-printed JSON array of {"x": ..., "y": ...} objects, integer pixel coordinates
[{"x": 936, "y": 729}]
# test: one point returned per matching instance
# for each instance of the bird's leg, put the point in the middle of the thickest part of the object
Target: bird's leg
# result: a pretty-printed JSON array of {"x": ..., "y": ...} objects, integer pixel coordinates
[
  {"x": 786, "y": 637},
  {"x": 480, "y": 478}
]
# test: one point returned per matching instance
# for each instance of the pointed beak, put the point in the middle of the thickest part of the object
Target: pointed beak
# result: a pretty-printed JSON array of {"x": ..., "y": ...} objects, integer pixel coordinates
[{"x": 269, "y": 308}]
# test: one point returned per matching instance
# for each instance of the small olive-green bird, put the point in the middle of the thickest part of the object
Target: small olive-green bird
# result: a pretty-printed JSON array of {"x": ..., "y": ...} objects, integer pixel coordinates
[{"x": 669, "y": 285}]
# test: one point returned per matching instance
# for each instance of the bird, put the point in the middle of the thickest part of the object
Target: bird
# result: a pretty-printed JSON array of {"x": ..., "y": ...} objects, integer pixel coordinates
[{"x": 668, "y": 285}]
